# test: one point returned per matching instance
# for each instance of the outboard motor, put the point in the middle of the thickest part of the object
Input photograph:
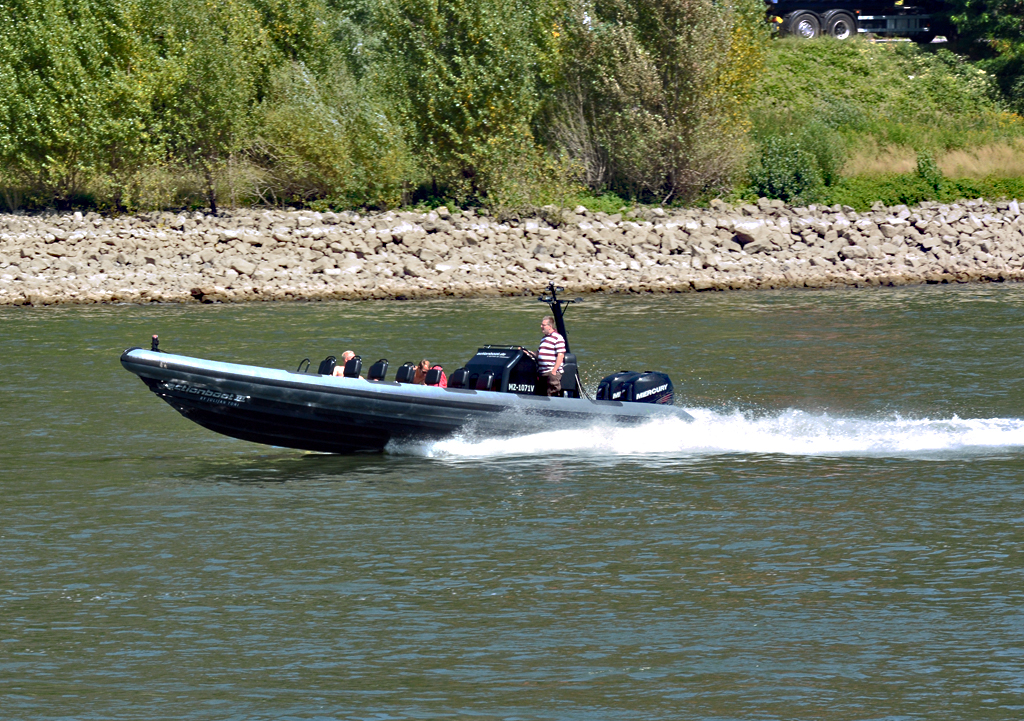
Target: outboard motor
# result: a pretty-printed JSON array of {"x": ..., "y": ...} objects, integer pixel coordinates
[
  {"x": 653, "y": 387},
  {"x": 615, "y": 386},
  {"x": 630, "y": 387}
]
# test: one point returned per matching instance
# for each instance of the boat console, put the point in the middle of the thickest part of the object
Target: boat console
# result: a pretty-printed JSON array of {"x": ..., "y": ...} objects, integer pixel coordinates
[{"x": 506, "y": 369}]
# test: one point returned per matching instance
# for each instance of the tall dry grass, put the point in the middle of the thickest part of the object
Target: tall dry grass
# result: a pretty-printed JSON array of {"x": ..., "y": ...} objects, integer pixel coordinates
[{"x": 1003, "y": 160}]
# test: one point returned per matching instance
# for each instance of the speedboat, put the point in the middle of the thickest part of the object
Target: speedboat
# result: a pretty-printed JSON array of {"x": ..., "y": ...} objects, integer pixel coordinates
[{"x": 493, "y": 395}]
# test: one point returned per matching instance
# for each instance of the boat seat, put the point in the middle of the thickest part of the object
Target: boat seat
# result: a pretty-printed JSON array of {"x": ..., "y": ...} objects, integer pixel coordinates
[
  {"x": 434, "y": 376},
  {"x": 459, "y": 379},
  {"x": 484, "y": 381},
  {"x": 378, "y": 370},
  {"x": 406, "y": 373},
  {"x": 327, "y": 366},
  {"x": 354, "y": 367},
  {"x": 569, "y": 371}
]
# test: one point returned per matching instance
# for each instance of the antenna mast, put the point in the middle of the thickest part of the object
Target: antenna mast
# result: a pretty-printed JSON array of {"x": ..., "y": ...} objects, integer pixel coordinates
[{"x": 556, "y": 304}]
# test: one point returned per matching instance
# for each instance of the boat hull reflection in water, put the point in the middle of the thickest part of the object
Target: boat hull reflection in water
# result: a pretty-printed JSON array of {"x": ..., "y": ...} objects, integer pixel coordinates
[{"x": 351, "y": 415}]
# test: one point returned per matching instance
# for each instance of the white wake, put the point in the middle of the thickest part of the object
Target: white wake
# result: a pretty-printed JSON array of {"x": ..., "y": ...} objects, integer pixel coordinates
[{"x": 790, "y": 432}]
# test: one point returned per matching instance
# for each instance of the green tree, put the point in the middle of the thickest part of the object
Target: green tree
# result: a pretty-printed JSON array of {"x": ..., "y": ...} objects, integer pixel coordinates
[
  {"x": 652, "y": 94},
  {"x": 77, "y": 78},
  {"x": 302, "y": 31},
  {"x": 218, "y": 59},
  {"x": 989, "y": 19},
  {"x": 467, "y": 76},
  {"x": 331, "y": 139},
  {"x": 996, "y": 28}
]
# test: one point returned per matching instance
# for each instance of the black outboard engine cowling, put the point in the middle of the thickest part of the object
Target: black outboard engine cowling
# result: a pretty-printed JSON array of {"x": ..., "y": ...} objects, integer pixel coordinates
[
  {"x": 614, "y": 387},
  {"x": 653, "y": 387},
  {"x": 630, "y": 387}
]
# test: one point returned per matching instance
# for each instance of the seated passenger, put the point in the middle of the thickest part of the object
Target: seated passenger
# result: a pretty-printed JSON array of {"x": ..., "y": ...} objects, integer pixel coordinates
[
  {"x": 443, "y": 381},
  {"x": 421, "y": 372},
  {"x": 339, "y": 370}
]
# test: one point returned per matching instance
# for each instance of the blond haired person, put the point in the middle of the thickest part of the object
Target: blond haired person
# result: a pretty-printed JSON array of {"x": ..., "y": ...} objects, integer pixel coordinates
[
  {"x": 421, "y": 372},
  {"x": 339, "y": 369}
]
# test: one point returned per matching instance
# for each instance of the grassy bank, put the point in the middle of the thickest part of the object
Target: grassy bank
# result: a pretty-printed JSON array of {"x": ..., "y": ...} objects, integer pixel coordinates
[{"x": 855, "y": 122}]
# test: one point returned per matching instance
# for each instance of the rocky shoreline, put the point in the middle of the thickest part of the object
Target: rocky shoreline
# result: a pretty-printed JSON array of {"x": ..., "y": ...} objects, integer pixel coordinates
[{"x": 250, "y": 255}]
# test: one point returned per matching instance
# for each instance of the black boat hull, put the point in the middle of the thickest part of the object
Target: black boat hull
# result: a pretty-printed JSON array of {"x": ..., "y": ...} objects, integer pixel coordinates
[{"x": 351, "y": 415}]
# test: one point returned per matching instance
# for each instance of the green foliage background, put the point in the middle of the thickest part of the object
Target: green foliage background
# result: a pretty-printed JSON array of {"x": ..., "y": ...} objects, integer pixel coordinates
[
  {"x": 126, "y": 105},
  {"x": 129, "y": 104}
]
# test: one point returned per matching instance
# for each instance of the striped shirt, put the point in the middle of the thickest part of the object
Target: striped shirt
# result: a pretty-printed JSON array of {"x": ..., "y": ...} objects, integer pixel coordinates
[{"x": 548, "y": 352}]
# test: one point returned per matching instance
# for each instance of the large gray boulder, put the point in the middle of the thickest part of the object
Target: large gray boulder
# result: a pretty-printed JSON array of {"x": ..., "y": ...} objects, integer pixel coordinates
[
  {"x": 243, "y": 266},
  {"x": 759, "y": 246},
  {"x": 750, "y": 231}
]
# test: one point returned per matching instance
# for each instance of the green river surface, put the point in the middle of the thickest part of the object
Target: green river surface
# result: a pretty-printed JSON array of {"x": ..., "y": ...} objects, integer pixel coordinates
[{"x": 837, "y": 535}]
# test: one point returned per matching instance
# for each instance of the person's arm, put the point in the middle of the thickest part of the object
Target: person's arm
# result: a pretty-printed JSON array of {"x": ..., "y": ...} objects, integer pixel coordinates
[{"x": 558, "y": 363}]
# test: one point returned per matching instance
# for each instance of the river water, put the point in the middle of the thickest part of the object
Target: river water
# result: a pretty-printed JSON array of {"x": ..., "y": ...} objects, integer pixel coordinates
[{"x": 838, "y": 534}]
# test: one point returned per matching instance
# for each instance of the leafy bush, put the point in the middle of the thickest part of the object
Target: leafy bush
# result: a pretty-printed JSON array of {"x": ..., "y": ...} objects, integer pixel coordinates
[
  {"x": 799, "y": 165},
  {"x": 928, "y": 171},
  {"x": 133, "y": 104},
  {"x": 989, "y": 20},
  {"x": 329, "y": 140},
  {"x": 651, "y": 94},
  {"x": 605, "y": 203},
  {"x": 784, "y": 169},
  {"x": 76, "y": 86},
  {"x": 219, "y": 61},
  {"x": 861, "y": 192},
  {"x": 1004, "y": 61},
  {"x": 95, "y": 95},
  {"x": 828, "y": 148},
  {"x": 526, "y": 179},
  {"x": 466, "y": 75}
]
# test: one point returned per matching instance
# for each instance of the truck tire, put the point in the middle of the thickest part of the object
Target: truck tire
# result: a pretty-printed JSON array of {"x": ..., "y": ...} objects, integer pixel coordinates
[
  {"x": 803, "y": 24},
  {"x": 840, "y": 25}
]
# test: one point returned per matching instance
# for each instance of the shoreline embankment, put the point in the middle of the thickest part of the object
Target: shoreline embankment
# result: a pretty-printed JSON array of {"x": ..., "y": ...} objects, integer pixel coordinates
[{"x": 261, "y": 255}]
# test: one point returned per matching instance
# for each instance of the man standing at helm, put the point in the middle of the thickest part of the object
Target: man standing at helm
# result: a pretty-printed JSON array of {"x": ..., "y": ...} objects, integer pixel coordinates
[{"x": 549, "y": 359}]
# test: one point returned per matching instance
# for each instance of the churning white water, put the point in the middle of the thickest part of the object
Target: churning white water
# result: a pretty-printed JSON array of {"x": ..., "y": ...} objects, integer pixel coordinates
[{"x": 790, "y": 432}]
